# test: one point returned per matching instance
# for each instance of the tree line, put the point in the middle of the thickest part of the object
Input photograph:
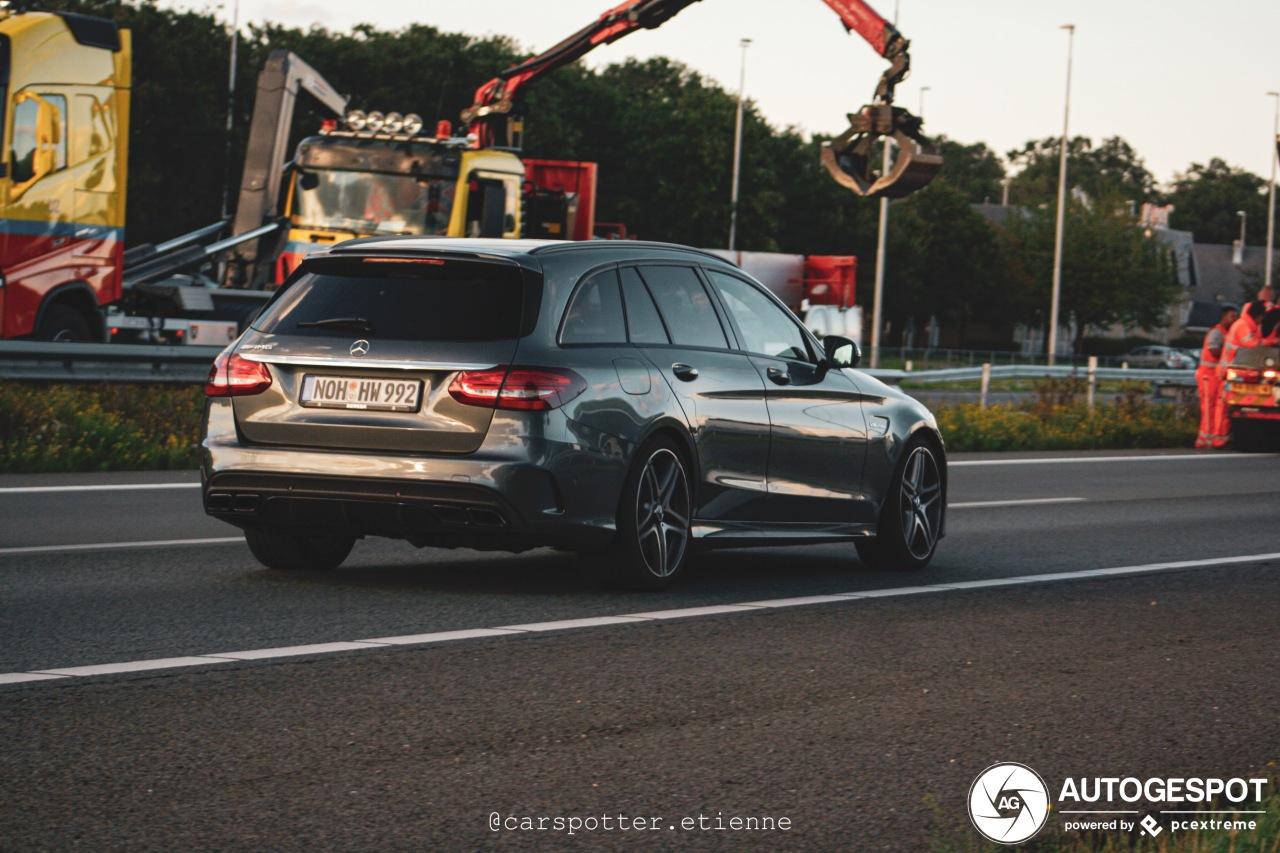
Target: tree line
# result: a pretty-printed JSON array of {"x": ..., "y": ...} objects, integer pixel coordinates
[{"x": 662, "y": 135}]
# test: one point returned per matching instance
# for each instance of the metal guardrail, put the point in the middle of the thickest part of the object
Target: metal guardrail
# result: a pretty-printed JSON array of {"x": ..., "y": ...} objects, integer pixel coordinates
[
  {"x": 43, "y": 361},
  {"x": 1035, "y": 371}
]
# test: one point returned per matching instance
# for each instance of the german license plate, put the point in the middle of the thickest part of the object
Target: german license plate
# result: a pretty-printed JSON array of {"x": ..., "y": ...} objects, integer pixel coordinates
[
  {"x": 1251, "y": 389},
  {"x": 346, "y": 392}
]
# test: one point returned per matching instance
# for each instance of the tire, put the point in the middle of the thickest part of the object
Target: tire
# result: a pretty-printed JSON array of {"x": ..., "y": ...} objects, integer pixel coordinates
[
  {"x": 654, "y": 519},
  {"x": 64, "y": 324},
  {"x": 298, "y": 549},
  {"x": 907, "y": 534},
  {"x": 1251, "y": 437}
]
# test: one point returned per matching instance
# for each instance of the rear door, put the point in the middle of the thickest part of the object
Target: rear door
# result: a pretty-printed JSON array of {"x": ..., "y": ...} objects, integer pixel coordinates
[
  {"x": 362, "y": 353},
  {"x": 720, "y": 391}
]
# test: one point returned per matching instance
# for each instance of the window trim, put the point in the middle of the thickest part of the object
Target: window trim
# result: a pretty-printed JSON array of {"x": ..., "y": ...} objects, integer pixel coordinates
[
  {"x": 805, "y": 334},
  {"x": 729, "y": 335},
  {"x": 581, "y": 283}
]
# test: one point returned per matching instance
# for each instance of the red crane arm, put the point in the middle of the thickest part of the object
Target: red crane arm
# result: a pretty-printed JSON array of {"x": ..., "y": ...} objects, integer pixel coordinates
[
  {"x": 489, "y": 117},
  {"x": 498, "y": 96}
]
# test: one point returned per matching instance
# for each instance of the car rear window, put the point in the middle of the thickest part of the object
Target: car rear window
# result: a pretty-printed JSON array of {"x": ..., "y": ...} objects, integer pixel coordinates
[{"x": 451, "y": 302}]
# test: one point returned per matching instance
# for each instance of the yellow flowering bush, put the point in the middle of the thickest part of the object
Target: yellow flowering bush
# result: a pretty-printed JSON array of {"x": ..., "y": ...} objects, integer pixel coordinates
[
  {"x": 102, "y": 427},
  {"x": 1058, "y": 419}
]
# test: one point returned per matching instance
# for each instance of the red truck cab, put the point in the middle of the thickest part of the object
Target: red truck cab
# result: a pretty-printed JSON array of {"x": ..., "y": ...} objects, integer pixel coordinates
[{"x": 62, "y": 172}]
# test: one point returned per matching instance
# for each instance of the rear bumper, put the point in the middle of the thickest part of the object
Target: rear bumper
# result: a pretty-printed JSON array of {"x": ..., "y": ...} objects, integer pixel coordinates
[{"x": 513, "y": 494}]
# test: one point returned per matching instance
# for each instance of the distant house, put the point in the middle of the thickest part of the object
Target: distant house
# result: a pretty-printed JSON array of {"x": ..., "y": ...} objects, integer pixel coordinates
[
  {"x": 1212, "y": 275},
  {"x": 1222, "y": 275}
]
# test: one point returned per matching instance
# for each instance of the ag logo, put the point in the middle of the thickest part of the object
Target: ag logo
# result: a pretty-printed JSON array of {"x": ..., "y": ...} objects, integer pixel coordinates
[{"x": 1008, "y": 803}]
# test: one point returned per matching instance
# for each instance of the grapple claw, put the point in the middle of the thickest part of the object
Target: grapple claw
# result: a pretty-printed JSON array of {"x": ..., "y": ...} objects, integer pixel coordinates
[{"x": 852, "y": 156}]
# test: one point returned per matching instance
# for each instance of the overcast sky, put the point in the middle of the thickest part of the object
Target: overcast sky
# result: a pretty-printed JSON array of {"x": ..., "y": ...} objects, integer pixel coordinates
[{"x": 1181, "y": 81}]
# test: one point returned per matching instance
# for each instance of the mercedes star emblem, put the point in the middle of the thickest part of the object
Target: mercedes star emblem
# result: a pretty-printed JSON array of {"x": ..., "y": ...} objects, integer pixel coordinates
[{"x": 360, "y": 347}]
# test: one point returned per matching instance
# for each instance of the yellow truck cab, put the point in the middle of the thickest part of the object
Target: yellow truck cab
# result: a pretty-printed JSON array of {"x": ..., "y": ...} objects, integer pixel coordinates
[
  {"x": 370, "y": 181},
  {"x": 62, "y": 172}
]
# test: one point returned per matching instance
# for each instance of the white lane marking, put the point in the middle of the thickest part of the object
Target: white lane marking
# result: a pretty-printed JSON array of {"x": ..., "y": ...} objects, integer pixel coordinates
[
  {"x": 19, "y": 677},
  {"x": 1065, "y": 460},
  {"x": 135, "y": 666},
  {"x": 442, "y": 636},
  {"x": 685, "y": 613},
  {"x": 588, "y": 622},
  {"x": 1024, "y": 502},
  {"x": 53, "y": 549},
  {"x": 797, "y": 602},
  {"x": 293, "y": 651},
  {"x": 130, "y": 487},
  {"x": 894, "y": 592}
]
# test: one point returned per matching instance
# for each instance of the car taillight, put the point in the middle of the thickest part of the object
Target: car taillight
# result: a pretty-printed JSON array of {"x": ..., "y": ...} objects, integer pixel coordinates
[
  {"x": 233, "y": 376},
  {"x": 536, "y": 389},
  {"x": 1240, "y": 374}
]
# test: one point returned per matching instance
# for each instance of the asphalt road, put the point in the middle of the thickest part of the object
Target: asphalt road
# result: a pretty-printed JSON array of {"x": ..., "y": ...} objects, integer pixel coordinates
[{"x": 862, "y": 721}]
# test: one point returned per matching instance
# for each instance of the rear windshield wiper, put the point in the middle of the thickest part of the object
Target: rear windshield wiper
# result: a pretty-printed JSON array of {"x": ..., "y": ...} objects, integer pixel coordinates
[{"x": 358, "y": 324}]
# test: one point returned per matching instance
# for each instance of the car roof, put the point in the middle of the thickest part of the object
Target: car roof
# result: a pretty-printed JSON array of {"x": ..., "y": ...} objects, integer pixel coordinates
[{"x": 520, "y": 251}]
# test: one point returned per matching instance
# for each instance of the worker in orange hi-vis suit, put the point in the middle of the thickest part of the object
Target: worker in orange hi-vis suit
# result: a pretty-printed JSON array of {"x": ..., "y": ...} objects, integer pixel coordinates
[
  {"x": 1243, "y": 333},
  {"x": 1207, "y": 380}
]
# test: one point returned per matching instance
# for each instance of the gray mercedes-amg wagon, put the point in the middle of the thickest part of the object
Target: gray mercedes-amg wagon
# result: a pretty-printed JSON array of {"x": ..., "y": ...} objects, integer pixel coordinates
[{"x": 626, "y": 399}]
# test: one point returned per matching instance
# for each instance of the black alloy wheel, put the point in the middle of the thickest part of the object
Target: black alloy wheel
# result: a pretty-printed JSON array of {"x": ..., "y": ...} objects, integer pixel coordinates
[
  {"x": 653, "y": 520},
  {"x": 911, "y": 520}
]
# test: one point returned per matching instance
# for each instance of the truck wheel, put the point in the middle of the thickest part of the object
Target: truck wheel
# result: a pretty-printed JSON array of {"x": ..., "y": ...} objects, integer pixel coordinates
[
  {"x": 298, "y": 549},
  {"x": 1249, "y": 437},
  {"x": 64, "y": 324}
]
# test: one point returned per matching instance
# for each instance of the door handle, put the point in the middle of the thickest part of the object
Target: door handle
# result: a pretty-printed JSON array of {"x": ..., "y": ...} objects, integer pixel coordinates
[
  {"x": 779, "y": 376},
  {"x": 685, "y": 372}
]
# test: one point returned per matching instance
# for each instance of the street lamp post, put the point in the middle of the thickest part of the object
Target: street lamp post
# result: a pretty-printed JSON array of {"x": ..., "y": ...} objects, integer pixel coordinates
[
  {"x": 1062, "y": 204},
  {"x": 231, "y": 110},
  {"x": 1244, "y": 217},
  {"x": 1271, "y": 195},
  {"x": 737, "y": 148},
  {"x": 881, "y": 240}
]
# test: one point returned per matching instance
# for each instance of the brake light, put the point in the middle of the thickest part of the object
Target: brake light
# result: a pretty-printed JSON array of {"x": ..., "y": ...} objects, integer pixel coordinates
[
  {"x": 1240, "y": 374},
  {"x": 233, "y": 376},
  {"x": 536, "y": 389}
]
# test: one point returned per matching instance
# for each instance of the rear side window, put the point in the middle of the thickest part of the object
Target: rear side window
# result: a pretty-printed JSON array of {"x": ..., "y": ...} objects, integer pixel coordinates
[
  {"x": 685, "y": 306},
  {"x": 643, "y": 322},
  {"x": 595, "y": 314},
  {"x": 453, "y": 302}
]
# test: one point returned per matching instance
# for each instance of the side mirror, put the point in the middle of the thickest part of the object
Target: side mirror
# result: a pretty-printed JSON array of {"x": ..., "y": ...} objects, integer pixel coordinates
[
  {"x": 841, "y": 351},
  {"x": 308, "y": 180}
]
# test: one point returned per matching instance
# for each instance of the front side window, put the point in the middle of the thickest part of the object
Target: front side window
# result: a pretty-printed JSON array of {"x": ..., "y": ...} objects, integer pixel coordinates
[
  {"x": 685, "y": 305},
  {"x": 595, "y": 314},
  {"x": 370, "y": 202},
  {"x": 493, "y": 200},
  {"x": 766, "y": 328},
  {"x": 32, "y": 135}
]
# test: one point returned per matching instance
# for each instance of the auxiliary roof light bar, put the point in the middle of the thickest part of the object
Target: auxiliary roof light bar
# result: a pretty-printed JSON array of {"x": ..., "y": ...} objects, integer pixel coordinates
[{"x": 357, "y": 121}]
